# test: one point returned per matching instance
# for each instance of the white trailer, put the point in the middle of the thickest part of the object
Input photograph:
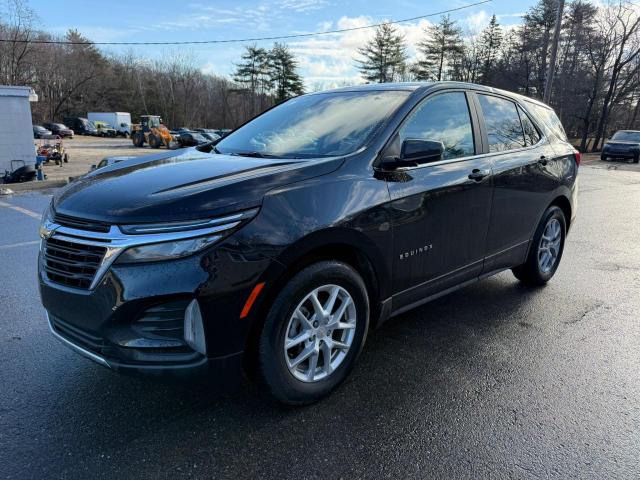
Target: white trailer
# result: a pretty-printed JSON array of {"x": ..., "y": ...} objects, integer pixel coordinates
[
  {"x": 121, "y": 121},
  {"x": 16, "y": 129}
]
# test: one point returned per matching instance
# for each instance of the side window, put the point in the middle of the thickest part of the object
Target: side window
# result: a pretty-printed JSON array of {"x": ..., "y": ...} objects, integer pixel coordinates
[
  {"x": 551, "y": 121},
  {"x": 443, "y": 118},
  {"x": 531, "y": 134},
  {"x": 503, "y": 123}
]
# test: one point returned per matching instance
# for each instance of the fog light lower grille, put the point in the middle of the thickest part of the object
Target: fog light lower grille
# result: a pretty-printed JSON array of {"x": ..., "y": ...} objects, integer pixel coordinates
[{"x": 193, "y": 329}]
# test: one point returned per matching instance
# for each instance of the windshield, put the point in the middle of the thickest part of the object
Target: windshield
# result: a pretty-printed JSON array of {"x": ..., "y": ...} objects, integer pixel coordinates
[
  {"x": 314, "y": 126},
  {"x": 627, "y": 136}
]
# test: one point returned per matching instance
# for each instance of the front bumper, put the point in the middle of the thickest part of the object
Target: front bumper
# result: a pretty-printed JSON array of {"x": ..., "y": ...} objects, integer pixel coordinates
[
  {"x": 620, "y": 153},
  {"x": 222, "y": 367},
  {"x": 133, "y": 320}
]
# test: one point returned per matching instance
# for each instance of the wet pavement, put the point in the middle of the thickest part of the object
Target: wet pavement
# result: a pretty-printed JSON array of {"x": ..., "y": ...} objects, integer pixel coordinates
[{"x": 495, "y": 380}]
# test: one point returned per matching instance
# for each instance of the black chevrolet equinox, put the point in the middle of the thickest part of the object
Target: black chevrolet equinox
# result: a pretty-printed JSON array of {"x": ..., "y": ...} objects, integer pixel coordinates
[{"x": 277, "y": 248}]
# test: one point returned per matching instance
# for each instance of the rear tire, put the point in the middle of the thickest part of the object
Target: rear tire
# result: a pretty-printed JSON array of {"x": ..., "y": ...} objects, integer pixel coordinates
[
  {"x": 546, "y": 249},
  {"x": 338, "y": 335},
  {"x": 603, "y": 157},
  {"x": 636, "y": 159}
]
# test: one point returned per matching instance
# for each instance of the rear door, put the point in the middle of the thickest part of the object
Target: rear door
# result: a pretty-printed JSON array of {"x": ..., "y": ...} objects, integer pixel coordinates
[
  {"x": 440, "y": 210},
  {"x": 523, "y": 178}
]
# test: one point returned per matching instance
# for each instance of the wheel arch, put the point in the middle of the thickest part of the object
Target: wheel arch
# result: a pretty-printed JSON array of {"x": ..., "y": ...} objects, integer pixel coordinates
[
  {"x": 345, "y": 245},
  {"x": 564, "y": 204}
]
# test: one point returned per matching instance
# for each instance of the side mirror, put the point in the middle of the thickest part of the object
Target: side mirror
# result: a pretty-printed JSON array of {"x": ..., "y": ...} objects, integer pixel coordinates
[{"x": 421, "y": 151}]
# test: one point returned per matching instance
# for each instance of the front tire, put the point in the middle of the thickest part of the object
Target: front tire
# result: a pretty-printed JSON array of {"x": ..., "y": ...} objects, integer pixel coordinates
[
  {"x": 138, "y": 139},
  {"x": 314, "y": 332},
  {"x": 546, "y": 249},
  {"x": 636, "y": 158},
  {"x": 603, "y": 158},
  {"x": 154, "y": 142}
]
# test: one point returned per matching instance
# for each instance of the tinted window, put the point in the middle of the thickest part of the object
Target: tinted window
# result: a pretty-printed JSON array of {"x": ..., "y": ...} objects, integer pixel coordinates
[
  {"x": 503, "y": 123},
  {"x": 550, "y": 120},
  {"x": 531, "y": 134},
  {"x": 444, "y": 118},
  {"x": 319, "y": 125}
]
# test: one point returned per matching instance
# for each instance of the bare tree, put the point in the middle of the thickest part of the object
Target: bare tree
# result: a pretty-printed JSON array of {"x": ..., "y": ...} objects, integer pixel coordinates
[{"x": 625, "y": 42}]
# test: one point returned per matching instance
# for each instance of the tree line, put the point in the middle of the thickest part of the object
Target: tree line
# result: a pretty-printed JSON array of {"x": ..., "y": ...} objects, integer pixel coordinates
[
  {"x": 72, "y": 79},
  {"x": 596, "y": 89}
]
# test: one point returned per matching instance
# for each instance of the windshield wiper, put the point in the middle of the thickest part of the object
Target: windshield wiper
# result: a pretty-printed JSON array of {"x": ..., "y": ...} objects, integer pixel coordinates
[{"x": 253, "y": 154}]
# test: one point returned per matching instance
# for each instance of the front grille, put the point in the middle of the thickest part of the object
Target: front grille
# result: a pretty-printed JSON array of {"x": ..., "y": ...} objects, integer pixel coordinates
[
  {"x": 72, "y": 222},
  {"x": 71, "y": 264}
]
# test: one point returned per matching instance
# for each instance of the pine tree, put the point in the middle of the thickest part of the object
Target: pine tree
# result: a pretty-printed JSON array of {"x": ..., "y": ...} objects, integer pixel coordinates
[
  {"x": 384, "y": 57},
  {"x": 253, "y": 74},
  {"x": 442, "y": 51},
  {"x": 490, "y": 43},
  {"x": 283, "y": 73}
]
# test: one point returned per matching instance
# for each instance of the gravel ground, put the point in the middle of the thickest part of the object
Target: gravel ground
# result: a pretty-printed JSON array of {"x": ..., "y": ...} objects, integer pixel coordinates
[{"x": 86, "y": 151}]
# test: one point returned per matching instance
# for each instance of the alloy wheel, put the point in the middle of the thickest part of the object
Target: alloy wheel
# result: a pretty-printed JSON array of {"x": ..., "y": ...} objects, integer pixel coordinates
[
  {"x": 320, "y": 333},
  {"x": 549, "y": 247}
]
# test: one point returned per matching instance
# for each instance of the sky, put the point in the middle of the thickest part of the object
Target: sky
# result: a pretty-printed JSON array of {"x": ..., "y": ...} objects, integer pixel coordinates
[{"x": 326, "y": 60}]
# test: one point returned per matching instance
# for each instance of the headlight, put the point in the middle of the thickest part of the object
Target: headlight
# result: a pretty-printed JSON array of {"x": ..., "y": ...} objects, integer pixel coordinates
[
  {"x": 166, "y": 250},
  {"x": 45, "y": 222},
  {"x": 167, "y": 241}
]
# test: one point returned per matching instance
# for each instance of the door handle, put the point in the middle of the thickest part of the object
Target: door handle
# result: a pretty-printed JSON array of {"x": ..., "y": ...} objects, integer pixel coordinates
[
  {"x": 477, "y": 174},
  {"x": 543, "y": 161}
]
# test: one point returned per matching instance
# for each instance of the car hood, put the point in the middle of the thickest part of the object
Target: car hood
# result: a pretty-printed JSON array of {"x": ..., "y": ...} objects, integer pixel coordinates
[{"x": 180, "y": 185}]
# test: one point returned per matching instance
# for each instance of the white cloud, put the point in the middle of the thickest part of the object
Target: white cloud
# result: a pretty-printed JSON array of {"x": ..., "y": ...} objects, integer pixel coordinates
[
  {"x": 209, "y": 68},
  {"x": 331, "y": 59},
  {"x": 477, "y": 21},
  {"x": 302, "y": 6}
]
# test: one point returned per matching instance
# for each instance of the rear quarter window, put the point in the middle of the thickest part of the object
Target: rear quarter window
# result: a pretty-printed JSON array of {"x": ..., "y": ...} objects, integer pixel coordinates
[{"x": 550, "y": 120}]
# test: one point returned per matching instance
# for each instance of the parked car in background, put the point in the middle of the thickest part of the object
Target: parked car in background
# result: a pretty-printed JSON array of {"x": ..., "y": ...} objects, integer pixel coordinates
[
  {"x": 104, "y": 129},
  {"x": 120, "y": 121},
  {"x": 623, "y": 144},
  {"x": 208, "y": 133},
  {"x": 191, "y": 139},
  {"x": 40, "y": 132},
  {"x": 59, "y": 129},
  {"x": 223, "y": 132},
  {"x": 212, "y": 137},
  {"x": 81, "y": 126},
  {"x": 326, "y": 215}
]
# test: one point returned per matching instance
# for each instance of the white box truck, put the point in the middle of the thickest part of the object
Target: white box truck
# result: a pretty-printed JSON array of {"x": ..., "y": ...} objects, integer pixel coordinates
[
  {"x": 16, "y": 130},
  {"x": 121, "y": 121}
]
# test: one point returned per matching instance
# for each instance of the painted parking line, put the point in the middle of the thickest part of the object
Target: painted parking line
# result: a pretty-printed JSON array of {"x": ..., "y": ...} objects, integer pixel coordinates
[
  {"x": 21, "y": 210},
  {"x": 21, "y": 244}
]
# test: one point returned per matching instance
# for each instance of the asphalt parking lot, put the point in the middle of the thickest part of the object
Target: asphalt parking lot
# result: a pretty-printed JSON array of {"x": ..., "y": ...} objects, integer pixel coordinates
[{"x": 496, "y": 380}]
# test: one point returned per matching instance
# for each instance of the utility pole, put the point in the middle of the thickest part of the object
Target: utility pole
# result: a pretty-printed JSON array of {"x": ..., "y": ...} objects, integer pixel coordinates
[{"x": 554, "y": 52}]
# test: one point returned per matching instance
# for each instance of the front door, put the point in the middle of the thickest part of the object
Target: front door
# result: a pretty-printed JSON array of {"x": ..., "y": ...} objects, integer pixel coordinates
[{"x": 440, "y": 210}]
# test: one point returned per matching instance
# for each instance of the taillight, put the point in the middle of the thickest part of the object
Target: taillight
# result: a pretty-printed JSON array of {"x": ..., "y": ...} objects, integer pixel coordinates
[{"x": 578, "y": 157}]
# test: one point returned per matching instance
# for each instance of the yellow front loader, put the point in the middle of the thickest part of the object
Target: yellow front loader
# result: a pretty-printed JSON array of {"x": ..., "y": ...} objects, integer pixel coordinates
[{"x": 150, "y": 130}]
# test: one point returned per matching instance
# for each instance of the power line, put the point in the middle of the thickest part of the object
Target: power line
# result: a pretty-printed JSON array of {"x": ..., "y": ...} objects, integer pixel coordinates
[{"x": 255, "y": 39}]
